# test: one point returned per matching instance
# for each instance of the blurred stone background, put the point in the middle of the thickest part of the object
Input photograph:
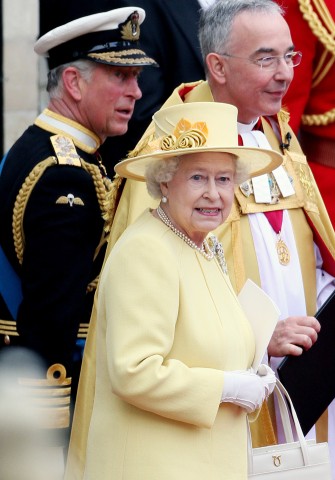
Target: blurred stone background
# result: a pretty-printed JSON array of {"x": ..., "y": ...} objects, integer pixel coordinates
[{"x": 22, "y": 93}]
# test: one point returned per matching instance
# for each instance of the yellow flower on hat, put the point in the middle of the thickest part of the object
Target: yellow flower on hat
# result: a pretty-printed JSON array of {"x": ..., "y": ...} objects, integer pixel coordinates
[
  {"x": 182, "y": 126},
  {"x": 202, "y": 126},
  {"x": 185, "y": 135},
  {"x": 168, "y": 142},
  {"x": 191, "y": 139},
  {"x": 185, "y": 125}
]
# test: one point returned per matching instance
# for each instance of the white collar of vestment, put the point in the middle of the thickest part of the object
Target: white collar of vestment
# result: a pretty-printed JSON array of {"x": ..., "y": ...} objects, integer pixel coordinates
[{"x": 246, "y": 127}]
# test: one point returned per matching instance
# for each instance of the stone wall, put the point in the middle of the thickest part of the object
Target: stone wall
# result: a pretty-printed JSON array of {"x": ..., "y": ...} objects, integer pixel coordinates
[{"x": 21, "y": 67}]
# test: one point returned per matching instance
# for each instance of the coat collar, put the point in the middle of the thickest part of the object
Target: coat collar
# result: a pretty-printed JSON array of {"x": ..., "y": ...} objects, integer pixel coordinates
[{"x": 81, "y": 136}]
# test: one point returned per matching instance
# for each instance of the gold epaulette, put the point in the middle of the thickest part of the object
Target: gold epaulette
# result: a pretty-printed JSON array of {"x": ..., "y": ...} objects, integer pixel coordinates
[
  {"x": 50, "y": 397},
  {"x": 65, "y": 150}
]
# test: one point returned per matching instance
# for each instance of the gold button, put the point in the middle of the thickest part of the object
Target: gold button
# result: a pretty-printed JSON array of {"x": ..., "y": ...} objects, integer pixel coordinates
[{"x": 6, "y": 340}]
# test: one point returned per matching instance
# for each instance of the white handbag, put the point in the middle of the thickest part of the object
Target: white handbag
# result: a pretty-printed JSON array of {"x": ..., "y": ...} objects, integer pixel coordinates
[{"x": 293, "y": 460}]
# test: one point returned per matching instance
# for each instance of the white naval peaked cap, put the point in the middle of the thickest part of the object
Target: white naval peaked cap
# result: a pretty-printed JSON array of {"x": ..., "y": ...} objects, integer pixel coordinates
[{"x": 110, "y": 37}]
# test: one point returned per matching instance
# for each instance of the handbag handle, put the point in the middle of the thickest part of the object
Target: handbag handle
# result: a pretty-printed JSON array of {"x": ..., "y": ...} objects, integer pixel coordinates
[
  {"x": 283, "y": 413},
  {"x": 282, "y": 394}
]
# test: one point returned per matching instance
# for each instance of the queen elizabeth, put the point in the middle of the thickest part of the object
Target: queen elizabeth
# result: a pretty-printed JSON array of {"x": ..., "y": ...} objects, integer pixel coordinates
[{"x": 174, "y": 349}]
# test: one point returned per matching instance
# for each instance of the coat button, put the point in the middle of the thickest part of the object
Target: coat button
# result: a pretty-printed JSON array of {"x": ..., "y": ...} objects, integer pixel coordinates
[{"x": 6, "y": 340}]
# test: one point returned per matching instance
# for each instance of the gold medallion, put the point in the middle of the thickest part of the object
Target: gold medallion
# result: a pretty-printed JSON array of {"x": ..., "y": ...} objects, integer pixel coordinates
[{"x": 282, "y": 252}]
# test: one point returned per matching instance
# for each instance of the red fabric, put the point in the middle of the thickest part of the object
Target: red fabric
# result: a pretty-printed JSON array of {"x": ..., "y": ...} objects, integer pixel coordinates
[
  {"x": 324, "y": 177},
  {"x": 301, "y": 98},
  {"x": 328, "y": 261},
  {"x": 184, "y": 91},
  {"x": 275, "y": 219},
  {"x": 259, "y": 125}
]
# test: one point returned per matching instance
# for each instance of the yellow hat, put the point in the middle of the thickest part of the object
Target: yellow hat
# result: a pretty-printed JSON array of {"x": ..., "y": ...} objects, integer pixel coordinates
[
  {"x": 108, "y": 37},
  {"x": 194, "y": 128}
]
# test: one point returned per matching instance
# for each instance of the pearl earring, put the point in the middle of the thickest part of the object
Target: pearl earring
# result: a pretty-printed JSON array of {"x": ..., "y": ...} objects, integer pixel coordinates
[{"x": 164, "y": 199}]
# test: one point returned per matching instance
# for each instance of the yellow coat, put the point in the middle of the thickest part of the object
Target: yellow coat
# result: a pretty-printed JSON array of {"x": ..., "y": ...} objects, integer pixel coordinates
[
  {"x": 168, "y": 324},
  {"x": 236, "y": 236}
]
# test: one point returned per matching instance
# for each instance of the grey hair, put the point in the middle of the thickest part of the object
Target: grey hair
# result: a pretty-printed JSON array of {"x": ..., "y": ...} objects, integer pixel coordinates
[
  {"x": 160, "y": 171},
  {"x": 55, "y": 82},
  {"x": 216, "y": 21}
]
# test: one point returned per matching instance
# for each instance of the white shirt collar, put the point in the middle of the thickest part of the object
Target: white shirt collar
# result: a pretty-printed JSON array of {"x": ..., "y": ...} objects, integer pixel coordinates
[{"x": 243, "y": 128}]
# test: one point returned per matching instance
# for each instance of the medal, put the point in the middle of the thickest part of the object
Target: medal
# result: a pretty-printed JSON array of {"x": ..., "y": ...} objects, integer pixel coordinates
[
  {"x": 267, "y": 188},
  {"x": 282, "y": 251},
  {"x": 275, "y": 219}
]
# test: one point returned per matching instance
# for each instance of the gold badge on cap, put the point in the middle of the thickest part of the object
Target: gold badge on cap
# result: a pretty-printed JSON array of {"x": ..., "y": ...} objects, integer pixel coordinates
[{"x": 130, "y": 29}]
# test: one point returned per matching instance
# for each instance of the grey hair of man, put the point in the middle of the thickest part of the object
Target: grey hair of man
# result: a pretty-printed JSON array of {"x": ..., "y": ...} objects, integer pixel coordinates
[
  {"x": 163, "y": 170},
  {"x": 215, "y": 24},
  {"x": 55, "y": 82}
]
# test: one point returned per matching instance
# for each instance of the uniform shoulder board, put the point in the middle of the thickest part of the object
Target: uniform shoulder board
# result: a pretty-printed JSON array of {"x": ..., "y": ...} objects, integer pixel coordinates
[{"x": 65, "y": 151}]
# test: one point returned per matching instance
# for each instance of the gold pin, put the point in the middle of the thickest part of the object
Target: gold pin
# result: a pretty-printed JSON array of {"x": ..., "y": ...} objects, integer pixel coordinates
[{"x": 70, "y": 199}]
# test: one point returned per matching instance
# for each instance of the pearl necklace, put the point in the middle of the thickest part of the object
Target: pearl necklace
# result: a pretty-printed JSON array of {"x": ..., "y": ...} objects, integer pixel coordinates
[{"x": 204, "y": 250}]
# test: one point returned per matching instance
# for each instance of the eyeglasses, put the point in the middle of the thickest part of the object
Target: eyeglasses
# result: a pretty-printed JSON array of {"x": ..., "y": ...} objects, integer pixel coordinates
[{"x": 292, "y": 59}]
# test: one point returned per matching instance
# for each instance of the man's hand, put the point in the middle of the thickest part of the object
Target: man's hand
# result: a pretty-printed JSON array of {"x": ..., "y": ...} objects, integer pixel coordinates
[{"x": 293, "y": 335}]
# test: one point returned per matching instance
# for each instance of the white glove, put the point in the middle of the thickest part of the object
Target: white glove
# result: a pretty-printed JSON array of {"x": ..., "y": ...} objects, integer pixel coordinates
[
  {"x": 268, "y": 376},
  {"x": 248, "y": 389}
]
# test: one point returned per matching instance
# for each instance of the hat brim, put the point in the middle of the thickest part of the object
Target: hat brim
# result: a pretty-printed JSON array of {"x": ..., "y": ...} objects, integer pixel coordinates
[{"x": 251, "y": 162}]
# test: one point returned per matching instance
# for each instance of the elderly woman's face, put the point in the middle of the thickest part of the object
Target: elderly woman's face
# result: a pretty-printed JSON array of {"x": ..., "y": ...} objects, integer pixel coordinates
[{"x": 201, "y": 193}]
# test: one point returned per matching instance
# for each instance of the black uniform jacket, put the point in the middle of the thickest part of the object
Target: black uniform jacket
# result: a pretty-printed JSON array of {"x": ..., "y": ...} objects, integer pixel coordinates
[{"x": 62, "y": 227}]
